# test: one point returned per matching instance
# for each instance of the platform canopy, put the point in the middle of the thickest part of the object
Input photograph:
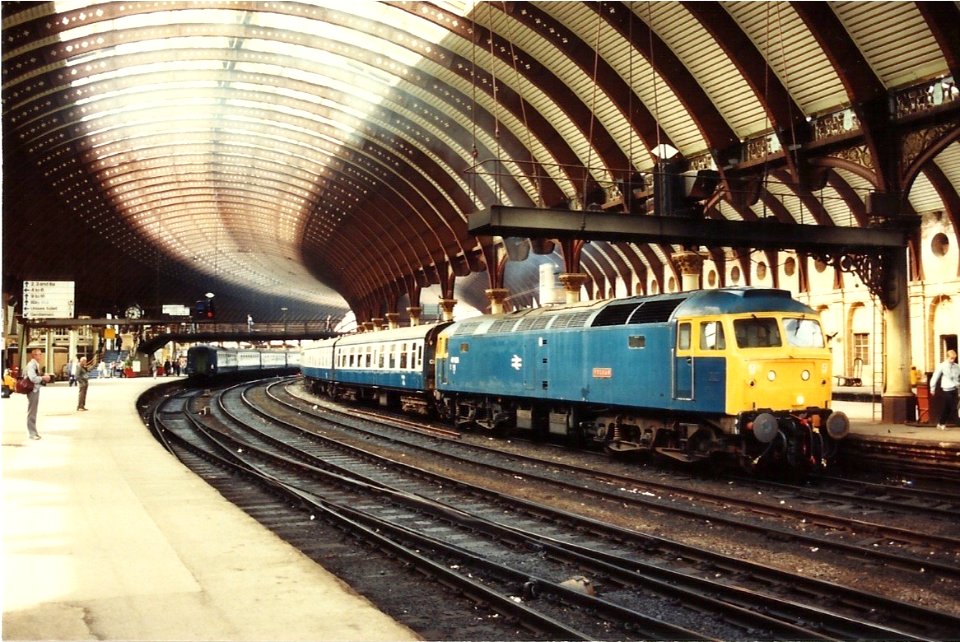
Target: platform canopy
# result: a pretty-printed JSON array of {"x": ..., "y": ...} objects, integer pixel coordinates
[{"x": 319, "y": 156}]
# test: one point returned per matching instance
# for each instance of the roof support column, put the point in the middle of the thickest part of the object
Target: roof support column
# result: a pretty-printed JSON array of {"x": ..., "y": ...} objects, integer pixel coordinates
[
  {"x": 898, "y": 399},
  {"x": 393, "y": 320},
  {"x": 496, "y": 296},
  {"x": 414, "y": 311},
  {"x": 446, "y": 308},
  {"x": 572, "y": 282},
  {"x": 691, "y": 267}
]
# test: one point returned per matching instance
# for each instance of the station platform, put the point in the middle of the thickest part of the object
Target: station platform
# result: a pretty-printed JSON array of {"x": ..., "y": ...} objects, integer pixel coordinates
[{"x": 106, "y": 536}]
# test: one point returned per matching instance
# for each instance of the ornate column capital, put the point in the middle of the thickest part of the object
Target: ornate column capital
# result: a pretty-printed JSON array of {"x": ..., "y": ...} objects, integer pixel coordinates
[
  {"x": 446, "y": 308},
  {"x": 496, "y": 297},
  {"x": 572, "y": 282},
  {"x": 414, "y": 312}
]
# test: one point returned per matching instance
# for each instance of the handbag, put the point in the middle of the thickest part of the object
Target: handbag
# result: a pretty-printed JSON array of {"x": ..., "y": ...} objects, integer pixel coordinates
[{"x": 24, "y": 386}]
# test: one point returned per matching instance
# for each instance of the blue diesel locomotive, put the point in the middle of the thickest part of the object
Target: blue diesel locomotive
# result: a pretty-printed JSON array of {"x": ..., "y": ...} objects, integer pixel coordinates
[{"x": 741, "y": 372}]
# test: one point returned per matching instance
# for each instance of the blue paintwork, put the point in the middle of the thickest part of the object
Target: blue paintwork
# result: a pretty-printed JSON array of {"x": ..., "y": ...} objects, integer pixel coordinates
[
  {"x": 739, "y": 301},
  {"x": 594, "y": 366},
  {"x": 582, "y": 363}
]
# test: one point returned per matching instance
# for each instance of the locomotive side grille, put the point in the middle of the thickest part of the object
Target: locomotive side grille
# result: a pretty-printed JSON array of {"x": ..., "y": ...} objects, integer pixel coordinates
[
  {"x": 655, "y": 311},
  {"x": 467, "y": 327},
  {"x": 504, "y": 325},
  {"x": 534, "y": 323},
  {"x": 576, "y": 320}
]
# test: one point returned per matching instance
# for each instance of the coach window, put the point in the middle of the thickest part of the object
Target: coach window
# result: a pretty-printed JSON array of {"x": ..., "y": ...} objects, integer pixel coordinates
[
  {"x": 403, "y": 356},
  {"x": 683, "y": 336},
  {"x": 419, "y": 356},
  {"x": 368, "y": 358},
  {"x": 711, "y": 336},
  {"x": 393, "y": 356},
  {"x": 635, "y": 342}
]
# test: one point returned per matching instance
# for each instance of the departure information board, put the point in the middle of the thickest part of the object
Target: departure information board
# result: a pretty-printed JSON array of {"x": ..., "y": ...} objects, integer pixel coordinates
[{"x": 48, "y": 299}]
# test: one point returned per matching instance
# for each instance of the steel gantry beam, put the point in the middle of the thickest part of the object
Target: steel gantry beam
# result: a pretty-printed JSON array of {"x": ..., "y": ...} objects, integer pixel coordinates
[{"x": 592, "y": 225}]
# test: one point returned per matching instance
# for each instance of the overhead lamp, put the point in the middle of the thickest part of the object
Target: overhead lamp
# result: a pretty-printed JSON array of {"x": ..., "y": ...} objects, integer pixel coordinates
[{"x": 664, "y": 151}]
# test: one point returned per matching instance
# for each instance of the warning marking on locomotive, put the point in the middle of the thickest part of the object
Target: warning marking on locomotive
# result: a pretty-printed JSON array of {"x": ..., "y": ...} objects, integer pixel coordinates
[
  {"x": 603, "y": 373},
  {"x": 516, "y": 362}
]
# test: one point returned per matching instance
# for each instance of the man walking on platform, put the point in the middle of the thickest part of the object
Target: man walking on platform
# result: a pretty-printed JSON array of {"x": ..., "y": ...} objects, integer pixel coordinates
[
  {"x": 33, "y": 397},
  {"x": 83, "y": 380},
  {"x": 947, "y": 376}
]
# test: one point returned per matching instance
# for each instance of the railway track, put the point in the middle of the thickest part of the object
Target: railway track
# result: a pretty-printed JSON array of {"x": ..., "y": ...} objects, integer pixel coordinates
[
  {"x": 547, "y": 550},
  {"x": 902, "y": 457},
  {"x": 785, "y": 514}
]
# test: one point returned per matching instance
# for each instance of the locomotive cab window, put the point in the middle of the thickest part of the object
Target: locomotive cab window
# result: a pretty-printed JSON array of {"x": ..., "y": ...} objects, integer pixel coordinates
[
  {"x": 803, "y": 333},
  {"x": 757, "y": 333},
  {"x": 684, "y": 333},
  {"x": 711, "y": 336}
]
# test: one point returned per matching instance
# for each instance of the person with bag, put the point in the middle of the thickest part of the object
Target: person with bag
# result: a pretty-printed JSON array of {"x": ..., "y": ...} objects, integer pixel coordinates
[{"x": 33, "y": 397}]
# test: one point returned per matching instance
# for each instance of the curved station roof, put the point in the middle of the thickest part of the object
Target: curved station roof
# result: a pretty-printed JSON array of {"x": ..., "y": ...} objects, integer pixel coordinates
[{"x": 326, "y": 156}]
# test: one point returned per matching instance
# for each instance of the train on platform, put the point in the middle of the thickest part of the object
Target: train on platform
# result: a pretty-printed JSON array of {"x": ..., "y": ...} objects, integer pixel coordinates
[
  {"x": 736, "y": 374},
  {"x": 209, "y": 362}
]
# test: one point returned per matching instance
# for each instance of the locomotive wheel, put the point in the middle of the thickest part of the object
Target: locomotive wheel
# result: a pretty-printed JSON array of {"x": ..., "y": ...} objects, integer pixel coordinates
[{"x": 574, "y": 431}]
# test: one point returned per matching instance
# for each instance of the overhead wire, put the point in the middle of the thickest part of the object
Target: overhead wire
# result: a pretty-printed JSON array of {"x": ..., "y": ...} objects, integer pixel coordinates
[
  {"x": 535, "y": 167},
  {"x": 496, "y": 98},
  {"x": 593, "y": 111}
]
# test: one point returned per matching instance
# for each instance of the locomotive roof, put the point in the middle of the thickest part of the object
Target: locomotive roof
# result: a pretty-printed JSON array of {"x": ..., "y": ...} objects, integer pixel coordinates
[
  {"x": 659, "y": 308},
  {"x": 740, "y": 301},
  {"x": 406, "y": 333}
]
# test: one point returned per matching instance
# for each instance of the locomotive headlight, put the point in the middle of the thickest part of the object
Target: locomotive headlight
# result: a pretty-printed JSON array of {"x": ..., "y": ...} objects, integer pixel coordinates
[
  {"x": 805, "y": 375},
  {"x": 771, "y": 376}
]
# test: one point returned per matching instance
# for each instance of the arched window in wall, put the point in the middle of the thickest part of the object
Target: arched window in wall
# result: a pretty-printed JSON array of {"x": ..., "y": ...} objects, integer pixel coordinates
[{"x": 859, "y": 343}]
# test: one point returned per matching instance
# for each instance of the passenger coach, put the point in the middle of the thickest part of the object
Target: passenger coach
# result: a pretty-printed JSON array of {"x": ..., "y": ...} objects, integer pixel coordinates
[{"x": 393, "y": 367}]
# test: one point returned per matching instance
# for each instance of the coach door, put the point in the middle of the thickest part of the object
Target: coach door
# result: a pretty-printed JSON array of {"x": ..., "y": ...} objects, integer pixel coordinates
[{"x": 683, "y": 362}]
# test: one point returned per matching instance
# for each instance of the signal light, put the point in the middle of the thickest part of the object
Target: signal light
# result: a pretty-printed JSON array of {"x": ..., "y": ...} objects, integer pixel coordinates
[{"x": 678, "y": 193}]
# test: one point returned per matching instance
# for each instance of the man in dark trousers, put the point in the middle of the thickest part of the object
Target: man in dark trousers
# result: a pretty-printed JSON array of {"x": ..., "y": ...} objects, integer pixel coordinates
[
  {"x": 33, "y": 398},
  {"x": 946, "y": 378},
  {"x": 83, "y": 380}
]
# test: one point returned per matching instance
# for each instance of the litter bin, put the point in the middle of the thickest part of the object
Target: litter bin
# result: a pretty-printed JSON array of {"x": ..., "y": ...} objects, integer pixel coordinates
[{"x": 923, "y": 403}]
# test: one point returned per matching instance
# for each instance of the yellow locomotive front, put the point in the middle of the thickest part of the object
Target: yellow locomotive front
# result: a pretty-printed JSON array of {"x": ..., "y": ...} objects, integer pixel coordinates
[{"x": 779, "y": 388}]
